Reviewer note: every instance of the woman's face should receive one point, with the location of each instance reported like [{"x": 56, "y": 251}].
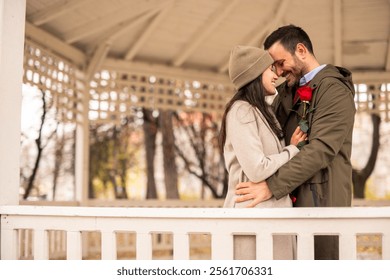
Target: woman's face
[{"x": 268, "y": 80}]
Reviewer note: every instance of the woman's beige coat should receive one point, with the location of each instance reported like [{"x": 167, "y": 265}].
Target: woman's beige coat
[{"x": 252, "y": 153}]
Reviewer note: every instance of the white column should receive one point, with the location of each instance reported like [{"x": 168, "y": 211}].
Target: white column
[
  {"x": 12, "y": 22},
  {"x": 82, "y": 142}
]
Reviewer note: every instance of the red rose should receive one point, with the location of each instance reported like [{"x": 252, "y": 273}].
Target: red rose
[{"x": 305, "y": 93}]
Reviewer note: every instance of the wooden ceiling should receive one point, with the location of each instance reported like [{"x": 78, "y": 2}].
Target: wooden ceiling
[{"x": 197, "y": 35}]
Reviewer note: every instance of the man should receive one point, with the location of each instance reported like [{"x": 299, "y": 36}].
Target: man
[{"x": 321, "y": 174}]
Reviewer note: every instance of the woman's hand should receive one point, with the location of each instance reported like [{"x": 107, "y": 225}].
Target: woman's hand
[{"x": 298, "y": 136}]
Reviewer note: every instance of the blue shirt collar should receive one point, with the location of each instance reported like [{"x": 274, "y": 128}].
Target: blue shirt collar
[{"x": 309, "y": 76}]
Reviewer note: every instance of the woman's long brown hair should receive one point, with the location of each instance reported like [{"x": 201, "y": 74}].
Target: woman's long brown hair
[{"x": 254, "y": 94}]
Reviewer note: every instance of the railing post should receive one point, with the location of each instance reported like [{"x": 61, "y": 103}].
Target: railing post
[
  {"x": 264, "y": 246},
  {"x": 347, "y": 246},
  {"x": 73, "y": 245},
  {"x": 9, "y": 244},
  {"x": 305, "y": 246},
  {"x": 41, "y": 245},
  {"x": 144, "y": 246},
  {"x": 221, "y": 246},
  {"x": 109, "y": 245},
  {"x": 181, "y": 246}
]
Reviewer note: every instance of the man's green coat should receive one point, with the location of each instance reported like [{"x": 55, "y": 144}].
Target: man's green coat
[{"x": 320, "y": 175}]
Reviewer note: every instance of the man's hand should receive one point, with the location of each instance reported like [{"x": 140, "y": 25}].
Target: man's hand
[{"x": 259, "y": 192}]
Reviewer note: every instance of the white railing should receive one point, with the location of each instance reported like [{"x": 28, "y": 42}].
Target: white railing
[
  {"x": 220, "y": 223},
  {"x": 169, "y": 203}
]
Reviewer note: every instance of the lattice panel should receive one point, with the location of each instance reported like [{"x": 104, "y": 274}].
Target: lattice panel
[
  {"x": 51, "y": 73},
  {"x": 113, "y": 94},
  {"x": 374, "y": 98}
]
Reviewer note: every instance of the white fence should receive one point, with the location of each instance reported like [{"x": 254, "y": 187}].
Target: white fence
[{"x": 180, "y": 223}]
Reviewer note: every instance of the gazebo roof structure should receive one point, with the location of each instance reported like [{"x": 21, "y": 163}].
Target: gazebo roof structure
[{"x": 196, "y": 36}]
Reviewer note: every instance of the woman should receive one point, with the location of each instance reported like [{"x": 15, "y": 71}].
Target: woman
[{"x": 252, "y": 139}]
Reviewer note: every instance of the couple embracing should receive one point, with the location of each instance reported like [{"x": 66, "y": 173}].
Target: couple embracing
[{"x": 295, "y": 152}]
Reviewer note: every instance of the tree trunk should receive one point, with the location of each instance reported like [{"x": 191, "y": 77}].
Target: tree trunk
[
  {"x": 150, "y": 133},
  {"x": 359, "y": 177},
  {"x": 57, "y": 161},
  {"x": 168, "y": 145}
]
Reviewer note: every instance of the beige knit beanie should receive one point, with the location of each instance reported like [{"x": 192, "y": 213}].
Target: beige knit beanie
[{"x": 246, "y": 64}]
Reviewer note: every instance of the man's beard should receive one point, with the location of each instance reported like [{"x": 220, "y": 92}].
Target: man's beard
[
  {"x": 296, "y": 73},
  {"x": 292, "y": 79}
]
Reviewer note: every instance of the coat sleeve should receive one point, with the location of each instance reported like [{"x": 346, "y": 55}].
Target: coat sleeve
[
  {"x": 333, "y": 119},
  {"x": 242, "y": 131}
]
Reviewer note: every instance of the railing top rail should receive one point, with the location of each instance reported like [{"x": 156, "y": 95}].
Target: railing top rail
[{"x": 206, "y": 213}]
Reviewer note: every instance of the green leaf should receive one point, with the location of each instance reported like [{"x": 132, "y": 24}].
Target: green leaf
[{"x": 303, "y": 124}]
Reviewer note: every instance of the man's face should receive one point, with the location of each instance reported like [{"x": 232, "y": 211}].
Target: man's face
[{"x": 286, "y": 65}]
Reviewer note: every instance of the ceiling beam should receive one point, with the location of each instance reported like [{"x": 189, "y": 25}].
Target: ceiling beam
[
  {"x": 54, "y": 44},
  {"x": 148, "y": 31},
  {"x": 257, "y": 36},
  {"x": 103, "y": 48},
  {"x": 120, "y": 28},
  {"x": 207, "y": 28},
  {"x": 337, "y": 32},
  {"x": 54, "y": 11},
  {"x": 271, "y": 26},
  {"x": 98, "y": 57},
  {"x": 117, "y": 17}
]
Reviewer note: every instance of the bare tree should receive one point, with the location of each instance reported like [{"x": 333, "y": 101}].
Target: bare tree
[
  {"x": 58, "y": 158},
  {"x": 201, "y": 156},
  {"x": 359, "y": 177},
  {"x": 40, "y": 146}
]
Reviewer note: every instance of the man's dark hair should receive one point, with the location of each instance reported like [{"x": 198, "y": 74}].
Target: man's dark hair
[{"x": 289, "y": 36}]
